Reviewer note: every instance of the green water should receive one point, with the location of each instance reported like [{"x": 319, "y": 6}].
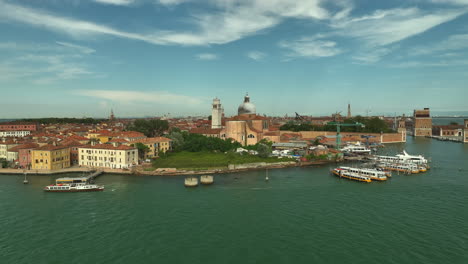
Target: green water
[{"x": 302, "y": 215}]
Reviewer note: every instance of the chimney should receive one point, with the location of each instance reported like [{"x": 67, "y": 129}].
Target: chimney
[{"x": 93, "y": 142}]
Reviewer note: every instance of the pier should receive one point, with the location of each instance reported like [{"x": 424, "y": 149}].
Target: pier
[{"x": 91, "y": 177}]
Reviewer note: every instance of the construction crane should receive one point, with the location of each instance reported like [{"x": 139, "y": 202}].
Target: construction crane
[
  {"x": 299, "y": 117},
  {"x": 338, "y": 130}
]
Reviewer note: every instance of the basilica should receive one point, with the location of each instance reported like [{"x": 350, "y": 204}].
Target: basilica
[{"x": 246, "y": 127}]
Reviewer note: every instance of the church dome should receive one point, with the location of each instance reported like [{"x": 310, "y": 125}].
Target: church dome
[{"x": 247, "y": 107}]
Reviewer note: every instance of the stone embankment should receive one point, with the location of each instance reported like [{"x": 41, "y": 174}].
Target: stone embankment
[{"x": 171, "y": 171}]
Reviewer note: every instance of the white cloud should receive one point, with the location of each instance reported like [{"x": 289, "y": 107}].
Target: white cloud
[
  {"x": 159, "y": 97},
  {"x": 231, "y": 21},
  {"x": 43, "y": 69},
  {"x": 384, "y": 27},
  {"x": 256, "y": 55},
  {"x": 171, "y": 2},
  {"x": 454, "y": 2},
  {"x": 81, "y": 49},
  {"x": 311, "y": 47},
  {"x": 206, "y": 56},
  {"x": 115, "y": 2},
  {"x": 371, "y": 56},
  {"x": 452, "y": 43},
  {"x": 441, "y": 63}
]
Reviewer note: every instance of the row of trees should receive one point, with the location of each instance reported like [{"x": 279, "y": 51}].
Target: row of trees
[
  {"x": 184, "y": 141},
  {"x": 151, "y": 128},
  {"x": 371, "y": 125},
  {"x": 65, "y": 120}
]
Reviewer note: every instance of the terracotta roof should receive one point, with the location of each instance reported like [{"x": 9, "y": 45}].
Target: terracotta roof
[
  {"x": 24, "y": 146},
  {"x": 108, "y": 146},
  {"x": 154, "y": 140},
  {"x": 77, "y": 137},
  {"x": 247, "y": 117},
  {"x": 71, "y": 143},
  {"x": 130, "y": 134},
  {"x": 51, "y": 147},
  {"x": 118, "y": 140}
]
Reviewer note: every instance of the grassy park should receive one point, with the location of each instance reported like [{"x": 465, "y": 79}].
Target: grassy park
[{"x": 206, "y": 160}]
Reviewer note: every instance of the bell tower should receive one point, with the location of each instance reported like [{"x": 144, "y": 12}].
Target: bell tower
[{"x": 216, "y": 114}]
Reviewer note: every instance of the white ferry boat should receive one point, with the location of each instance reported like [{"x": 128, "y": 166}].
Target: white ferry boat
[
  {"x": 371, "y": 173},
  {"x": 73, "y": 185},
  {"x": 403, "y": 158},
  {"x": 406, "y": 168},
  {"x": 356, "y": 149},
  {"x": 350, "y": 175}
]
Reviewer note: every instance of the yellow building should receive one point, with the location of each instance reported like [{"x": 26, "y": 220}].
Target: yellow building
[
  {"x": 50, "y": 157},
  {"x": 156, "y": 145}
]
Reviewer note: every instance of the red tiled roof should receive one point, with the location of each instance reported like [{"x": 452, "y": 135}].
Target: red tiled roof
[
  {"x": 77, "y": 137},
  {"x": 130, "y": 134},
  {"x": 71, "y": 143},
  {"x": 118, "y": 140},
  {"x": 154, "y": 140},
  {"x": 51, "y": 147},
  {"x": 247, "y": 117},
  {"x": 24, "y": 146}
]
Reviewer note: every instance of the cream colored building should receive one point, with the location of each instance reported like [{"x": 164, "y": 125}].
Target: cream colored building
[
  {"x": 156, "y": 145},
  {"x": 108, "y": 156}
]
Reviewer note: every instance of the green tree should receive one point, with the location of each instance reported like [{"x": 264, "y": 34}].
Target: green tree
[
  {"x": 151, "y": 128},
  {"x": 142, "y": 149},
  {"x": 263, "y": 150},
  {"x": 177, "y": 140},
  {"x": 3, "y": 163}
]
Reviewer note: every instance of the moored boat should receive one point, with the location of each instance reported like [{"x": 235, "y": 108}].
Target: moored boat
[
  {"x": 405, "y": 168},
  {"x": 371, "y": 173},
  {"x": 350, "y": 175}
]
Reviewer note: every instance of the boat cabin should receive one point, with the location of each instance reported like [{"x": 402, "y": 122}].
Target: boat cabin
[{"x": 67, "y": 180}]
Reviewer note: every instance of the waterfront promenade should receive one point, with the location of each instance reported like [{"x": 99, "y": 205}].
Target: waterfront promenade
[{"x": 167, "y": 171}]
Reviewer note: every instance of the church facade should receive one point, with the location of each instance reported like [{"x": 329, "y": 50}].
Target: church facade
[{"x": 246, "y": 127}]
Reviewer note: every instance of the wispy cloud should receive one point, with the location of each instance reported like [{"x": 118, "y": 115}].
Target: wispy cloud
[
  {"x": 160, "y": 97},
  {"x": 312, "y": 47},
  {"x": 206, "y": 56},
  {"x": 371, "y": 56},
  {"x": 256, "y": 55},
  {"x": 232, "y": 20},
  {"x": 43, "y": 69},
  {"x": 384, "y": 27},
  {"x": 421, "y": 64},
  {"x": 115, "y": 2},
  {"x": 452, "y": 43},
  {"x": 81, "y": 49}
]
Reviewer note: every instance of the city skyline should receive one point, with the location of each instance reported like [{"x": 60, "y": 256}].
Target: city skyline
[{"x": 150, "y": 58}]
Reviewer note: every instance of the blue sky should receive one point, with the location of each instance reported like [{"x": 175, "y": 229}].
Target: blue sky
[{"x": 153, "y": 57}]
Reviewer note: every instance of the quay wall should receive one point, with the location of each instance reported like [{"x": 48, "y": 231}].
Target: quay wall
[{"x": 378, "y": 137}]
